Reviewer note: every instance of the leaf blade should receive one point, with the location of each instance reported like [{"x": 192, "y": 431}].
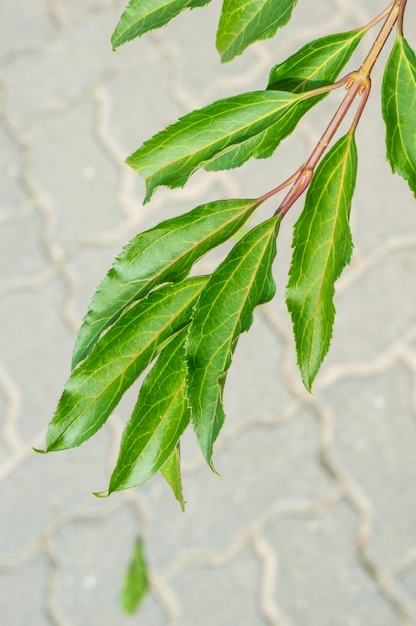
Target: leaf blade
[
  {"x": 225, "y": 310},
  {"x": 244, "y": 23},
  {"x": 398, "y": 106},
  {"x": 315, "y": 64},
  {"x": 142, "y": 16},
  {"x": 95, "y": 387},
  {"x": 159, "y": 418},
  {"x": 322, "y": 246},
  {"x": 171, "y": 156},
  {"x": 162, "y": 254}
]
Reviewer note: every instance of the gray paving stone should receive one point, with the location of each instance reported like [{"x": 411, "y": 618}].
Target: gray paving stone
[
  {"x": 41, "y": 491},
  {"x": 23, "y": 594},
  {"x": 28, "y": 24},
  {"x": 80, "y": 179},
  {"x": 4, "y": 450},
  {"x": 11, "y": 192},
  {"x": 384, "y": 296},
  {"x": 20, "y": 240},
  {"x": 63, "y": 71},
  {"x": 220, "y": 595},
  {"x": 77, "y": 10},
  {"x": 320, "y": 580},
  {"x": 249, "y": 395},
  {"x": 407, "y": 581},
  {"x": 375, "y": 439},
  {"x": 38, "y": 368},
  {"x": 133, "y": 117}
]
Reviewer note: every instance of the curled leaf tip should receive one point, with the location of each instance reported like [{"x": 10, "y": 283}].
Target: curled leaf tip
[
  {"x": 100, "y": 494},
  {"x": 38, "y": 451}
]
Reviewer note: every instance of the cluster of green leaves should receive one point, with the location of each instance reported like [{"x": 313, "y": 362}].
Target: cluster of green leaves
[{"x": 150, "y": 311}]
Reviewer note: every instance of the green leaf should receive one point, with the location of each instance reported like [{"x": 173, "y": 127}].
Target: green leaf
[
  {"x": 158, "y": 420},
  {"x": 316, "y": 64},
  {"x": 322, "y": 247},
  {"x": 141, "y": 16},
  {"x": 399, "y": 110},
  {"x": 225, "y": 310},
  {"x": 162, "y": 254},
  {"x": 242, "y": 23},
  {"x": 171, "y": 156},
  {"x": 117, "y": 359},
  {"x": 171, "y": 472},
  {"x": 261, "y": 145},
  {"x": 136, "y": 582}
]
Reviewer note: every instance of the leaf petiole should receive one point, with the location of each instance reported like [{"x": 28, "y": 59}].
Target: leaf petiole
[{"x": 280, "y": 187}]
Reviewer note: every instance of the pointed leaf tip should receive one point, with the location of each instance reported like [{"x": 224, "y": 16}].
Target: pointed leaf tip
[
  {"x": 223, "y": 311},
  {"x": 243, "y": 23},
  {"x": 322, "y": 247}
]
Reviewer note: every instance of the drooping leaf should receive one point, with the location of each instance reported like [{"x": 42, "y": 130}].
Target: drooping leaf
[
  {"x": 171, "y": 471},
  {"x": 225, "y": 310},
  {"x": 171, "y": 156},
  {"x": 322, "y": 247},
  {"x": 243, "y": 23},
  {"x": 141, "y": 16},
  {"x": 136, "y": 582},
  {"x": 158, "y": 420},
  {"x": 316, "y": 64},
  {"x": 399, "y": 110},
  {"x": 117, "y": 359},
  {"x": 162, "y": 254}
]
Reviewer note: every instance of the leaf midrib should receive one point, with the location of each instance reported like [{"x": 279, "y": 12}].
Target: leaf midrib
[{"x": 321, "y": 277}]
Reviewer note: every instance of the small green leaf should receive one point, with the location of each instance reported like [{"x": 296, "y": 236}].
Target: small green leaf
[
  {"x": 171, "y": 471},
  {"x": 163, "y": 254},
  {"x": 95, "y": 387},
  {"x": 243, "y": 23},
  {"x": 322, "y": 247},
  {"x": 158, "y": 420},
  {"x": 399, "y": 110},
  {"x": 171, "y": 156},
  {"x": 136, "y": 582},
  {"x": 225, "y": 310},
  {"x": 141, "y": 16}
]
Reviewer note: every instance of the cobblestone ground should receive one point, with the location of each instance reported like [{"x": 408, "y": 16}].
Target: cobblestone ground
[{"x": 313, "y": 522}]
